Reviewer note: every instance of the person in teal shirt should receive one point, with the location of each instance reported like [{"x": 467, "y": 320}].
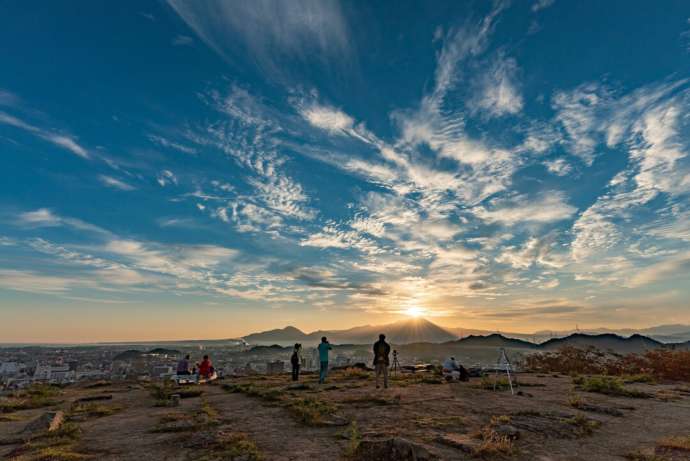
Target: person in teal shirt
[{"x": 324, "y": 347}]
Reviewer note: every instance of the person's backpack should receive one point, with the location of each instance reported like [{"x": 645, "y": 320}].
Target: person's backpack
[{"x": 294, "y": 359}]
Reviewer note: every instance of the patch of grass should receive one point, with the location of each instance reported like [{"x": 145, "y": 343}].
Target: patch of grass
[
  {"x": 639, "y": 378},
  {"x": 441, "y": 422},
  {"x": 575, "y": 401},
  {"x": 222, "y": 446},
  {"x": 681, "y": 443},
  {"x": 431, "y": 380},
  {"x": 188, "y": 393},
  {"x": 371, "y": 400},
  {"x": 207, "y": 414},
  {"x": 355, "y": 373},
  {"x": 34, "y": 396},
  {"x": 58, "y": 454},
  {"x": 354, "y": 438},
  {"x": 11, "y": 417},
  {"x": 532, "y": 413},
  {"x": 160, "y": 391},
  {"x": 58, "y": 445},
  {"x": 609, "y": 385},
  {"x": 639, "y": 455},
  {"x": 97, "y": 384},
  {"x": 489, "y": 384},
  {"x": 270, "y": 394},
  {"x": 666, "y": 395},
  {"x": 310, "y": 411},
  {"x": 498, "y": 420},
  {"x": 205, "y": 417},
  {"x": 582, "y": 425},
  {"x": 94, "y": 410}
]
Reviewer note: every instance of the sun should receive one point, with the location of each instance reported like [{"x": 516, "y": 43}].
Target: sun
[{"x": 414, "y": 311}]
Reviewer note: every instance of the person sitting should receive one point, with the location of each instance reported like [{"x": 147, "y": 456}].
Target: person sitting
[
  {"x": 453, "y": 371},
  {"x": 205, "y": 368},
  {"x": 183, "y": 366}
]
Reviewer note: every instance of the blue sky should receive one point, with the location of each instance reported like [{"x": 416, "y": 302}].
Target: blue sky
[{"x": 204, "y": 169}]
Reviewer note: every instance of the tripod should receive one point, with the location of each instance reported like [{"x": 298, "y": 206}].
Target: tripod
[
  {"x": 504, "y": 360},
  {"x": 396, "y": 364}
]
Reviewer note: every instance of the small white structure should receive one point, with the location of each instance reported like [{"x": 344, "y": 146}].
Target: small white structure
[{"x": 54, "y": 374}]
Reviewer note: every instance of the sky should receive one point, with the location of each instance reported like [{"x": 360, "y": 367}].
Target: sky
[{"x": 182, "y": 169}]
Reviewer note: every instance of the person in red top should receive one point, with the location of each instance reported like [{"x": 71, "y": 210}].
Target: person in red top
[{"x": 205, "y": 367}]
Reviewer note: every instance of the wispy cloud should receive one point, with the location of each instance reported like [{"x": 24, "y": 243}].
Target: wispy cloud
[
  {"x": 61, "y": 140},
  {"x": 550, "y": 207},
  {"x": 497, "y": 90},
  {"x": 665, "y": 271},
  {"x": 268, "y": 30},
  {"x": 115, "y": 183},
  {"x": 558, "y": 166},
  {"x": 541, "y": 4},
  {"x": 182, "y": 40}
]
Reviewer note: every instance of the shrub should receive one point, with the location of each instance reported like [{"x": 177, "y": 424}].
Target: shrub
[
  {"x": 609, "y": 385},
  {"x": 657, "y": 364}
]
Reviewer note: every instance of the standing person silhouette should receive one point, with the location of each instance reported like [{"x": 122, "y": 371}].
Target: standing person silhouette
[
  {"x": 296, "y": 361},
  {"x": 324, "y": 347},
  {"x": 381, "y": 360}
]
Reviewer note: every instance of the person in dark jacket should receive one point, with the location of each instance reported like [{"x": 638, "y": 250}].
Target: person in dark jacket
[
  {"x": 296, "y": 361},
  {"x": 381, "y": 360}
]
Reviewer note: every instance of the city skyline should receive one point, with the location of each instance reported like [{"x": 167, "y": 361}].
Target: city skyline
[{"x": 186, "y": 170}]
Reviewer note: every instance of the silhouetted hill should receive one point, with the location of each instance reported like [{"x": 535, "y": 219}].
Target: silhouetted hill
[
  {"x": 164, "y": 351},
  {"x": 495, "y": 340},
  {"x": 288, "y": 334},
  {"x": 402, "y": 332},
  {"x": 130, "y": 354},
  {"x": 607, "y": 341}
]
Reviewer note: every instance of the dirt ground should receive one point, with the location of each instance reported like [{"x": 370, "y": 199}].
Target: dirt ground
[{"x": 423, "y": 411}]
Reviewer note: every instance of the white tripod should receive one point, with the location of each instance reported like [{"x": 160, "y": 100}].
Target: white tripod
[{"x": 503, "y": 360}]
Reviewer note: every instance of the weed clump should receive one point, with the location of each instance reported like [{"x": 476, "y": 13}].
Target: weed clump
[{"x": 493, "y": 444}]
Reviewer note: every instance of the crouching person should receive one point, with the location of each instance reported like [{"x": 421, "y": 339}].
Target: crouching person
[{"x": 453, "y": 371}]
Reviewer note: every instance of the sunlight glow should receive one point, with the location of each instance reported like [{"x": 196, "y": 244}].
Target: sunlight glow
[{"x": 415, "y": 311}]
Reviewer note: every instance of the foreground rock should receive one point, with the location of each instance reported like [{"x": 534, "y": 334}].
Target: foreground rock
[
  {"x": 47, "y": 422},
  {"x": 395, "y": 449}
]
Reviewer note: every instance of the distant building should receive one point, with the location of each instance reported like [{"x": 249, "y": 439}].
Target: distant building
[
  {"x": 162, "y": 371},
  {"x": 275, "y": 368},
  {"x": 58, "y": 374},
  {"x": 11, "y": 368}
]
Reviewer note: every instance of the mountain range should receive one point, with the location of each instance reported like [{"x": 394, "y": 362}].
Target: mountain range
[
  {"x": 423, "y": 331},
  {"x": 402, "y": 332}
]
